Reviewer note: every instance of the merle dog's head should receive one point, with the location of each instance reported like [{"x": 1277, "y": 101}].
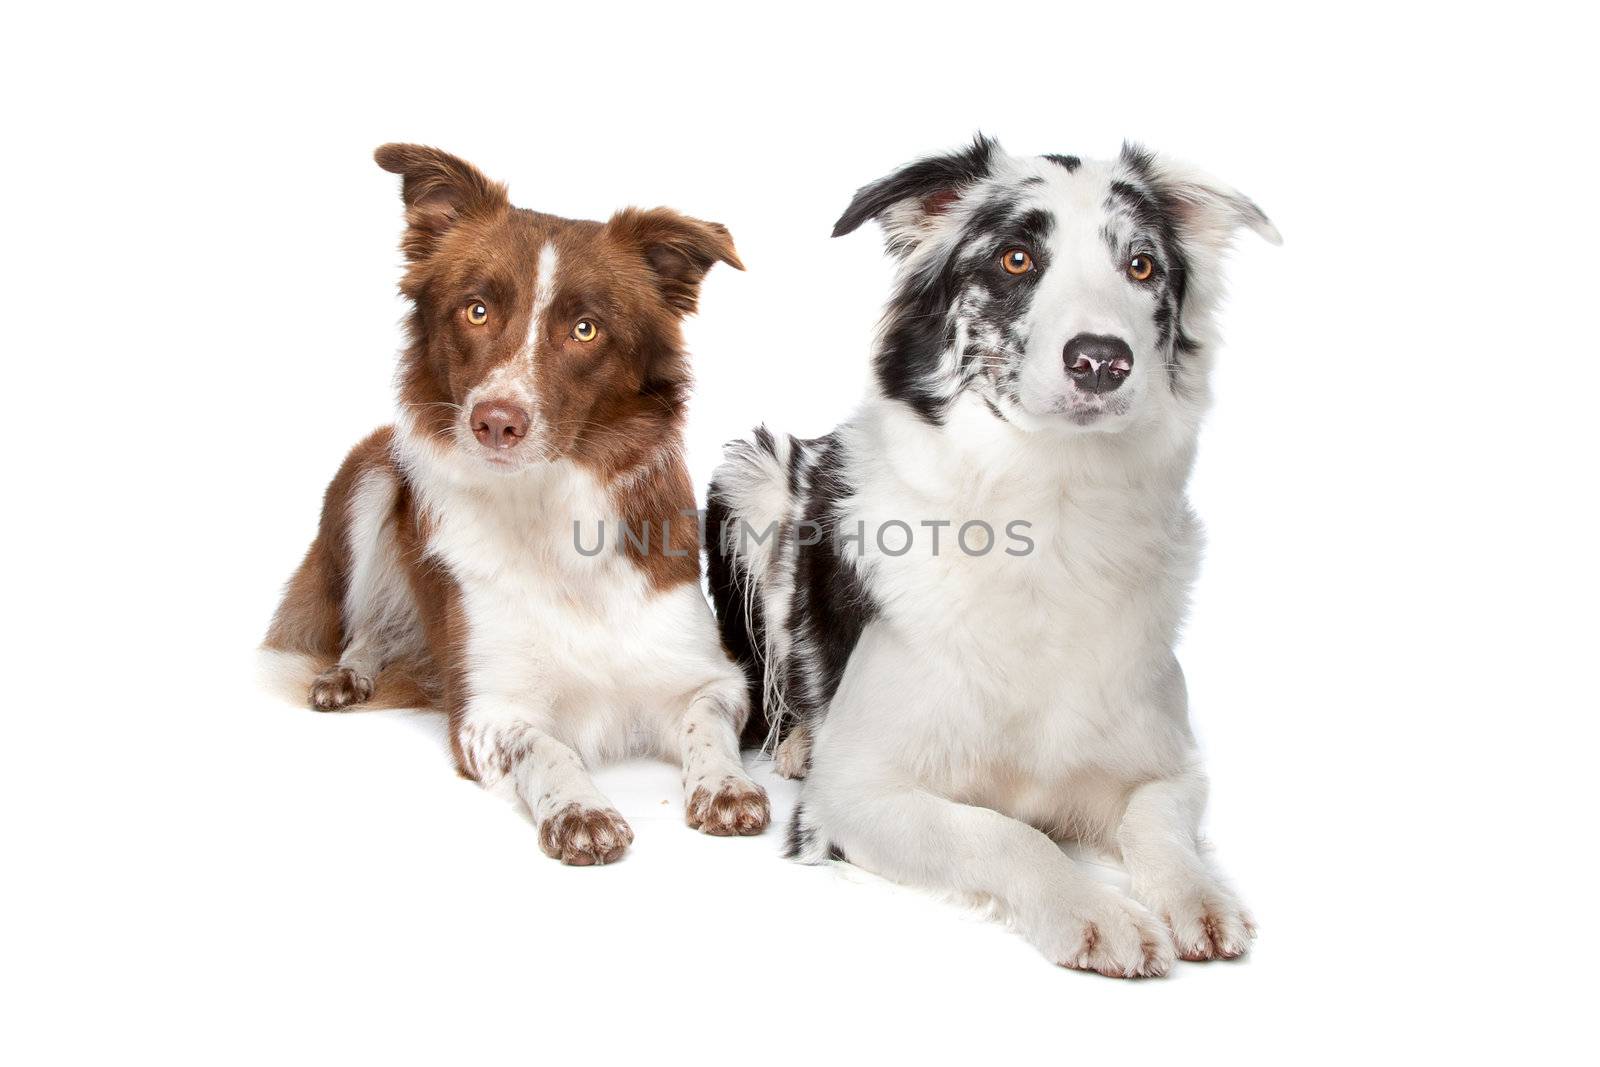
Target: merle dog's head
[{"x": 1064, "y": 293}]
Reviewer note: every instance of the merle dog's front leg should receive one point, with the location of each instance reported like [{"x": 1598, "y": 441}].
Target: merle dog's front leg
[
  {"x": 1160, "y": 841},
  {"x": 889, "y": 817},
  {"x": 913, "y": 836}
]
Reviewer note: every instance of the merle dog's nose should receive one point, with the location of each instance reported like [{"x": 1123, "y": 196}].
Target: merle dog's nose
[
  {"x": 1097, "y": 363},
  {"x": 499, "y": 424}
]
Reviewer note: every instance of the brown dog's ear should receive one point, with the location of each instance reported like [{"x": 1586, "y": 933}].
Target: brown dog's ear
[
  {"x": 679, "y": 249},
  {"x": 439, "y": 190}
]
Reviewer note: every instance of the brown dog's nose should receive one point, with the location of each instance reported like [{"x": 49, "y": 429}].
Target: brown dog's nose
[{"x": 498, "y": 424}]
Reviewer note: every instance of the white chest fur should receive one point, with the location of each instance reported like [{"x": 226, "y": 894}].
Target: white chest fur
[
  {"x": 575, "y": 637},
  {"x": 1049, "y": 656}
]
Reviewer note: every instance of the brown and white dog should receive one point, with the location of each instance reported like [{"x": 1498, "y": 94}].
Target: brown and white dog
[{"x": 542, "y": 392}]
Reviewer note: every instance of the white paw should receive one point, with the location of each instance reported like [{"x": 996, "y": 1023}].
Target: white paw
[
  {"x": 1206, "y": 919},
  {"x": 1103, "y": 931},
  {"x": 793, "y": 757}
]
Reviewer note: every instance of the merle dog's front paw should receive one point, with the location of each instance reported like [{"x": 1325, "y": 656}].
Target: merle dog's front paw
[
  {"x": 793, "y": 758},
  {"x": 1103, "y": 931},
  {"x": 1206, "y": 919},
  {"x": 340, "y": 687},
  {"x": 736, "y": 807},
  {"x": 585, "y": 836}
]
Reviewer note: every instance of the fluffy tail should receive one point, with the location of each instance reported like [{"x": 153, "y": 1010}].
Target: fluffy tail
[{"x": 750, "y": 548}]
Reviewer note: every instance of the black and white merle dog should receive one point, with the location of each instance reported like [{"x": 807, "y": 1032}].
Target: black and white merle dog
[{"x": 958, "y": 609}]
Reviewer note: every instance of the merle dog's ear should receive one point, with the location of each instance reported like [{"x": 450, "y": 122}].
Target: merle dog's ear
[
  {"x": 909, "y": 200},
  {"x": 439, "y": 191},
  {"x": 679, "y": 250},
  {"x": 1205, "y": 210}
]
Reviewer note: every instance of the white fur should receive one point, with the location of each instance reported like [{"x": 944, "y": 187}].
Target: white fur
[
  {"x": 378, "y": 607},
  {"x": 1040, "y": 686},
  {"x": 570, "y": 659},
  {"x": 996, "y": 701},
  {"x": 756, "y": 483},
  {"x": 544, "y": 288},
  {"x": 514, "y": 381}
]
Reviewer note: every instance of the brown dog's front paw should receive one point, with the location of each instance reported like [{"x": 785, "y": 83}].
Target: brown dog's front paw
[
  {"x": 338, "y": 688},
  {"x": 583, "y": 836},
  {"x": 736, "y": 807}
]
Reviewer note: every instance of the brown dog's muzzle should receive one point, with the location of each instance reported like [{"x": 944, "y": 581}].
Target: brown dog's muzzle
[{"x": 497, "y": 424}]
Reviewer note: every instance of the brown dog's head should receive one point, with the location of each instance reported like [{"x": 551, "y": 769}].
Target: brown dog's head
[{"x": 533, "y": 337}]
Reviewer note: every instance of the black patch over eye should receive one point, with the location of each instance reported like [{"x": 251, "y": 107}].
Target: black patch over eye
[
  {"x": 1141, "y": 267},
  {"x": 1016, "y": 261}
]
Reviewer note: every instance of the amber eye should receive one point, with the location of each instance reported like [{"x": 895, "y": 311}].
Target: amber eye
[
  {"x": 585, "y": 330},
  {"x": 477, "y": 313},
  {"x": 1140, "y": 267},
  {"x": 1016, "y": 261}
]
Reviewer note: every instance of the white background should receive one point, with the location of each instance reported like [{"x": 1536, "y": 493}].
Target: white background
[{"x": 1391, "y": 650}]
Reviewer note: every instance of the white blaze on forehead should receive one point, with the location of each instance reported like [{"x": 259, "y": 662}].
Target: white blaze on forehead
[
  {"x": 1082, "y": 290},
  {"x": 544, "y": 287},
  {"x": 513, "y": 381}
]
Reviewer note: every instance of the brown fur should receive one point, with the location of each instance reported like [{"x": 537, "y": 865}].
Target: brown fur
[
  {"x": 585, "y": 837},
  {"x": 309, "y": 619},
  {"x": 732, "y": 809},
  {"x": 614, "y": 405}
]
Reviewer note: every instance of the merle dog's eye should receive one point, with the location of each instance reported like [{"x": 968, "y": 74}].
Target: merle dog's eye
[
  {"x": 585, "y": 330},
  {"x": 1140, "y": 267},
  {"x": 1016, "y": 261},
  {"x": 477, "y": 313}
]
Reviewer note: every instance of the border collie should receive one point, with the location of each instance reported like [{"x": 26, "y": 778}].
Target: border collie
[
  {"x": 543, "y": 389},
  {"x": 958, "y": 610}
]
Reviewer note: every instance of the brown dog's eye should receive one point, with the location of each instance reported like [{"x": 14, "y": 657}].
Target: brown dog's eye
[
  {"x": 585, "y": 330},
  {"x": 1140, "y": 267},
  {"x": 477, "y": 313},
  {"x": 1016, "y": 261}
]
